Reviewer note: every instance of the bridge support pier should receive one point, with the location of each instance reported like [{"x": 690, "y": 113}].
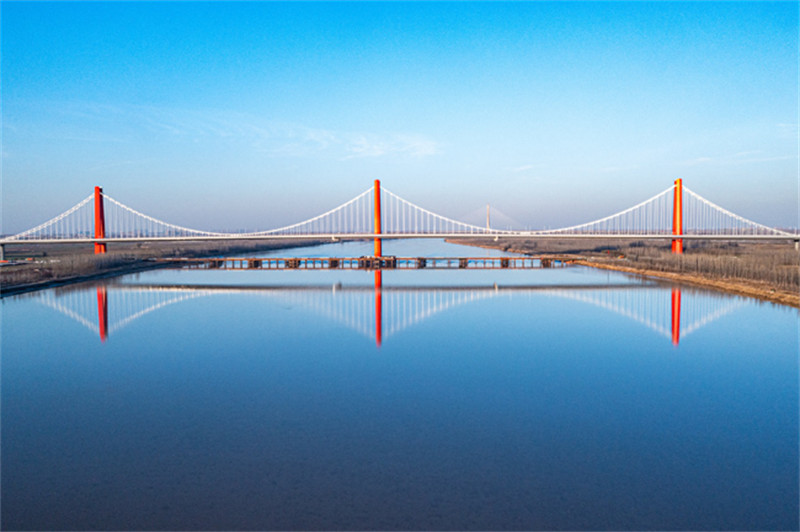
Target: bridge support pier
[{"x": 2, "y": 252}]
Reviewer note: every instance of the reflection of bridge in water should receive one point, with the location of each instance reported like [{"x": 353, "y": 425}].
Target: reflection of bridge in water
[{"x": 381, "y": 311}]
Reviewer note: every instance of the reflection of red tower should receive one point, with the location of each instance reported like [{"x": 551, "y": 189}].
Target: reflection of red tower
[
  {"x": 99, "y": 220},
  {"x": 378, "y": 308},
  {"x": 102, "y": 312},
  {"x": 676, "y": 315}
]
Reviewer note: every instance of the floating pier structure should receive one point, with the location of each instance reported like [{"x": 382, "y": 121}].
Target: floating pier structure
[{"x": 374, "y": 263}]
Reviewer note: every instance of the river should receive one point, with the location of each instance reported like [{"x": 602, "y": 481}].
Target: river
[{"x": 562, "y": 398}]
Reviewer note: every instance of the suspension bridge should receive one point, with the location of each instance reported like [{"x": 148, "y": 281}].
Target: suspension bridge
[
  {"x": 380, "y": 312},
  {"x": 676, "y": 214}
]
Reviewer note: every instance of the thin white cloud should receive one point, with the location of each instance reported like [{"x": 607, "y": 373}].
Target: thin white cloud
[
  {"x": 615, "y": 169},
  {"x": 363, "y": 147},
  {"x": 697, "y": 161},
  {"x": 358, "y": 146},
  {"x": 119, "y": 164},
  {"x": 274, "y": 138},
  {"x": 770, "y": 159},
  {"x": 787, "y": 131},
  {"x": 747, "y": 153},
  {"x": 525, "y": 168},
  {"x": 737, "y": 159}
]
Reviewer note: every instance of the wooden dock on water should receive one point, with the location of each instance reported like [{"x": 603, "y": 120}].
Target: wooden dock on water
[{"x": 374, "y": 263}]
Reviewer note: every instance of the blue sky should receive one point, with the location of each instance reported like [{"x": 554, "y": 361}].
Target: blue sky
[{"x": 257, "y": 114}]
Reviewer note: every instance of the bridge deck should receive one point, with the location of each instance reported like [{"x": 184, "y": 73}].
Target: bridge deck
[{"x": 372, "y": 263}]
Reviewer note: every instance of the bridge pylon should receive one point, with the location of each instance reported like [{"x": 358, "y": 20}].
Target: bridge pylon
[
  {"x": 99, "y": 221},
  {"x": 677, "y": 217},
  {"x": 377, "y": 227}
]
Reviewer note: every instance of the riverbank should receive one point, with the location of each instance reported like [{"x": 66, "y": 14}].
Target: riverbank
[
  {"x": 769, "y": 272},
  {"x": 38, "y": 267},
  {"x": 755, "y": 289},
  {"x": 11, "y": 288}
]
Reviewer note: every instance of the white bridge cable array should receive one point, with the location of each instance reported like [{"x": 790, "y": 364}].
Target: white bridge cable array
[
  {"x": 77, "y": 221},
  {"x": 128, "y": 222},
  {"x": 399, "y": 216},
  {"x": 653, "y": 216},
  {"x": 701, "y": 217}
]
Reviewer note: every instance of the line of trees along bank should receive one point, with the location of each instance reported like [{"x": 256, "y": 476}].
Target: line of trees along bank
[{"x": 777, "y": 264}]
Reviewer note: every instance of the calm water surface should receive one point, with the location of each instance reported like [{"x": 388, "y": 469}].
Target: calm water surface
[{"x": 545, "y": 399}]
